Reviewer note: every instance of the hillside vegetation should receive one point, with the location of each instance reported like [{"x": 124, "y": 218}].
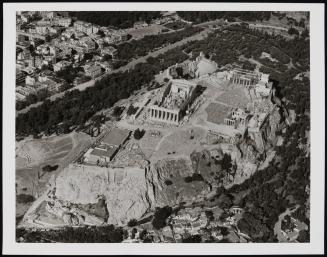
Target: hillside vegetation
[{"x": 119, "y": 19}]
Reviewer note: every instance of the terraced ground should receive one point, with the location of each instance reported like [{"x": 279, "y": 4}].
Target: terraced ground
[
  {"x": 36, "y": 151},
  {"x": 33, "y": 154}
]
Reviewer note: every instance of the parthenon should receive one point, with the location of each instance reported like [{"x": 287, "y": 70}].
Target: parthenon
[{"x": 170, "y": 107}]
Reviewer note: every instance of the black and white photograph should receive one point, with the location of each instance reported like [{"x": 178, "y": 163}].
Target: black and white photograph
[{"x": 142, "y": 123}]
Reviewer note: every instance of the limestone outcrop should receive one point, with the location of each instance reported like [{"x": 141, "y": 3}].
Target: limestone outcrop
[
  {"x": 126, "y": 190},
  {"x": 168, "y": 178}
]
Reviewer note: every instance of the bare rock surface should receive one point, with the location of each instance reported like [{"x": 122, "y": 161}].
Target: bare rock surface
[
  {"x": 125, "y": 190},
  {"x": 170, "y": 185}
]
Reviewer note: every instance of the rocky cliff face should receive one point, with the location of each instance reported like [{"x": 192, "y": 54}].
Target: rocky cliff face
[
  {"x": 168, "y": 179},
  {"x": 248, "y": 153},
  {"x": 126, "y": 190}
]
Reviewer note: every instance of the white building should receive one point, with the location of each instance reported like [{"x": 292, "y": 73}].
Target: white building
[
  {"x": 30, "y": 80},
  {"x": 61, "y": 65},
  {"x": 64, "y": 22},
  {"x": 93, "y": 71},
  {"x": 84, "y": 27},
  {"x": 110, "y": 50}
]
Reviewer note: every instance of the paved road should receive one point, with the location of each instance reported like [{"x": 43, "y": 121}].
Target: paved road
[{"x": 128, "y": 66}]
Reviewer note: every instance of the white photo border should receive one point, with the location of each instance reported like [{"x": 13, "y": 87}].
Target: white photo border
[{"x": 317, "y": 83}]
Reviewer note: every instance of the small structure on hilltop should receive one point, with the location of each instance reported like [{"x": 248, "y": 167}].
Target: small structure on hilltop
[
  {"x": 237, "y": 118},
  {"x": 204, "y": 66}
]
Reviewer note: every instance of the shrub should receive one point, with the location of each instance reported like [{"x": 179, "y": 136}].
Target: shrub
[
  {"x": 304, "y": 236},
  {"x": 118, "y": 110},
  {"x": 192, "y": 239},
  {"x": 131, "y": 110},
  {"x": 209, "y": 215},
  {"x": 168, "y": 182},
  {"x": 147, "y": 240},
  {"x": 226, "y": 162},
  {"x": 292, "y": 31},
  {"x": 132, "y": 223},
  {"x": 23, "y": 198},
  {"x": 224, "y": 231},
  {"x": 143, "y": 234},
  {"x": 138, "y": 134},
  {"x": 134, "y": 230},
  {"x": 49, "y": 168},
  {"x": 194, "y": 177}
]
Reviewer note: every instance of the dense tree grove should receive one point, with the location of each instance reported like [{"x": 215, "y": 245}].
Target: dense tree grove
[
  {"x": 141, "y": 47},
  {"x": 160, "y": 216},
  {"x": 32, "y": 98},
  {"x": 119, "y": 19},
  {"x": 86, "y": 234},
  {"x": 233, "y": 41},
  {"x": 76, "y": 107},
  {"x": 203, "y": 16},
  {"x": 69, "y": 73}
]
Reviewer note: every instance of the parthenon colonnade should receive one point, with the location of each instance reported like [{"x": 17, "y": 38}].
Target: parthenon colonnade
[
  {"x": 239, "y": 81},
  {"x": 163, "y": 115}
]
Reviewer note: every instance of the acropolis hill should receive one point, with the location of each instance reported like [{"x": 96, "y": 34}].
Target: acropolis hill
[{"x": 184, "y": 119}]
